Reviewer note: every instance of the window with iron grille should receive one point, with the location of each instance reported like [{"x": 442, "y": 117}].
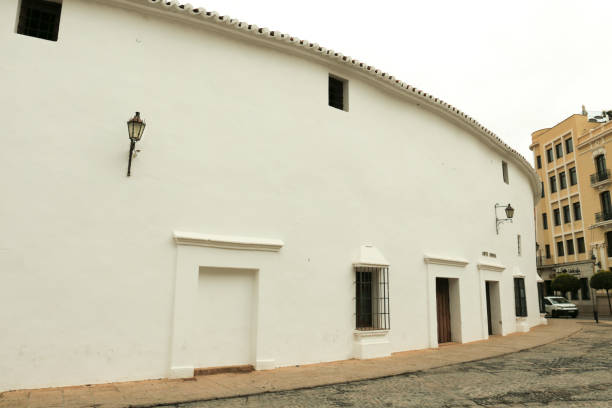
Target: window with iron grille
[
  {"x": 541, "y": 297},
  {"x": 520, "y": 300},
  {"x": 337, "y": 93},
  {"x": 40, "y": 19},
  {"x": 372, "y": 298}
]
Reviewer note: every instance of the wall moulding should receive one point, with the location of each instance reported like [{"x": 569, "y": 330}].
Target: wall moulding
[
  {"x": 228, "y": 242},
  {"x": 438, "y": 260},
  {"x": 486, "y": 266}
]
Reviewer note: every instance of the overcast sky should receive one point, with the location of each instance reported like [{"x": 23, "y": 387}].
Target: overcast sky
[{"x": 515, "y": 66}]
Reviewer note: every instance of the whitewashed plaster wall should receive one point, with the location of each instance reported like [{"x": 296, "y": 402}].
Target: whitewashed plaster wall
[{"x": 240, "y": 141}]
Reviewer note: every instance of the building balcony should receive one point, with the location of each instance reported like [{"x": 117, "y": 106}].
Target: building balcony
[
  {"x": 602, "y": 219},
  {"x": 600, "y": 178}
]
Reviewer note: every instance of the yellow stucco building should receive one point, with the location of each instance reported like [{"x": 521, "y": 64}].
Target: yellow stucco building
[{"x": 574, "y": 216}]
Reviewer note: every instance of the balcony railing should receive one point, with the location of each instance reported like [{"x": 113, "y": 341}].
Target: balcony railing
[
  {"x": 603, "y": 216},
  {"x": 600, "y": 176}
]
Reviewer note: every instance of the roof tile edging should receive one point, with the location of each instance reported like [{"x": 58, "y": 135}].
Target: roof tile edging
[{"x": 252, "y": 29}]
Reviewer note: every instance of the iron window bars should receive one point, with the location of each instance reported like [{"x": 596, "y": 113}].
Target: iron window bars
[
  {"x": 372, "y": 298},
  {"x": 520, "y": 300},
  {"x": 40, "y": 19}
]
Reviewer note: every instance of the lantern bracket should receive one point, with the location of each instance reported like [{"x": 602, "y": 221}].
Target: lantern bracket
[{"x": 509, "y": 214}]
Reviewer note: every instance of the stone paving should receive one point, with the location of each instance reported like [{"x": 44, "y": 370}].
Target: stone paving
[
  {"x": 573, "y": 372},
  {"x": 172, "y": 393}
]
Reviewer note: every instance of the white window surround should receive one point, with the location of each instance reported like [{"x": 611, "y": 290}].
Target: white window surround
[
  {"x": 195, "y": 250},
  {"x": 490, "y": 266},
  {"x": 228, "y": 242},
  {"x": 371, "y": 343},
  {"x": 442, "y": 260}
]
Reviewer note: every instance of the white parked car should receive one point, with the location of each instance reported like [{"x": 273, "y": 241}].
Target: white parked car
[{"x": 559, "y": 306}]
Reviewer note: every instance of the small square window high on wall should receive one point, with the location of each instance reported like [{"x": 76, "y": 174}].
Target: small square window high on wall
[
  {"x": 337, "y": 93},
  {"x": 40, "y": 18},
  {"x": 505, "y": 172}
]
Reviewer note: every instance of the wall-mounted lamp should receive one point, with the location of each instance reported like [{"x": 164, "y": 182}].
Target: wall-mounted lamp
[
  {"x": 136, "y": 127},
  {"x": 509, "y": 214}
]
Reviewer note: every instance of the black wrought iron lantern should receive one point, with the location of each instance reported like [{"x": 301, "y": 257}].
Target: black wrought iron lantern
[
  {"x": 509, "y": 211},
  {"x": 136, "y": 127}
]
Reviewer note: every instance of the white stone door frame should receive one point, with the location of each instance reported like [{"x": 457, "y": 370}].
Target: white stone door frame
[
  {"x": 201, "y": 250},
  {"x": 492, "y": 272},
  {"x": 449, "y": 268}
]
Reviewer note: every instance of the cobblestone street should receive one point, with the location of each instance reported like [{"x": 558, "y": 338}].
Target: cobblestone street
[{"x": 574, "y": 372}]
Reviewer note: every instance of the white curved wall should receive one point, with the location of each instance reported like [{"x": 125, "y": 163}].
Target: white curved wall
[{"x": 240, "y": 141}]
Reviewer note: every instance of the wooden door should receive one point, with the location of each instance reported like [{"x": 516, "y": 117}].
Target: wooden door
[
  {"x": 443, "y": 306},
  {"x": 488, "y": 287}
]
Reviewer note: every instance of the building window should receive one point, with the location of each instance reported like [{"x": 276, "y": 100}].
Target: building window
[
  {"x": 539, "y": 161},
  {"x": 505, "y": 172},
  {"x": 606, "y": 205},
  {"x": 541, "y": 297},
  {"x": 553, "y": 184},
  {"x": 520, "y": 300},
  {"x": 600, "y": 166},
  {"x": 337, "y": 93},
  {"x": 569, "y": 145},
  {"x": 548, "y": 288},
  {"x": 562, "y": 180},
  {"x": 549, "y": 156},
  {"x": 574, "y": 294},
  {"x": 560, "y": 248},
  {"x": 577, "y": 211},
  {"x": 559, "y": 150},
  {"x": 566, "y": 214},
  {"x": 570, "y": 246},
  {"x": 547, "y": 247},
  {"x": 542, "y": 185},
  {"x": 573, "y": 176},
  {"x": 580, "y": 244},
  {"x": 609, "y": 243},
  {"x": 544, "y": 221},
  {"x": 372, "y": 298},
  {"x": 556, "y": 217},
  {"x": 584, "y": 289},
  {"x": 518, "y": 243},
  {"x": 40, "y": 19}
]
